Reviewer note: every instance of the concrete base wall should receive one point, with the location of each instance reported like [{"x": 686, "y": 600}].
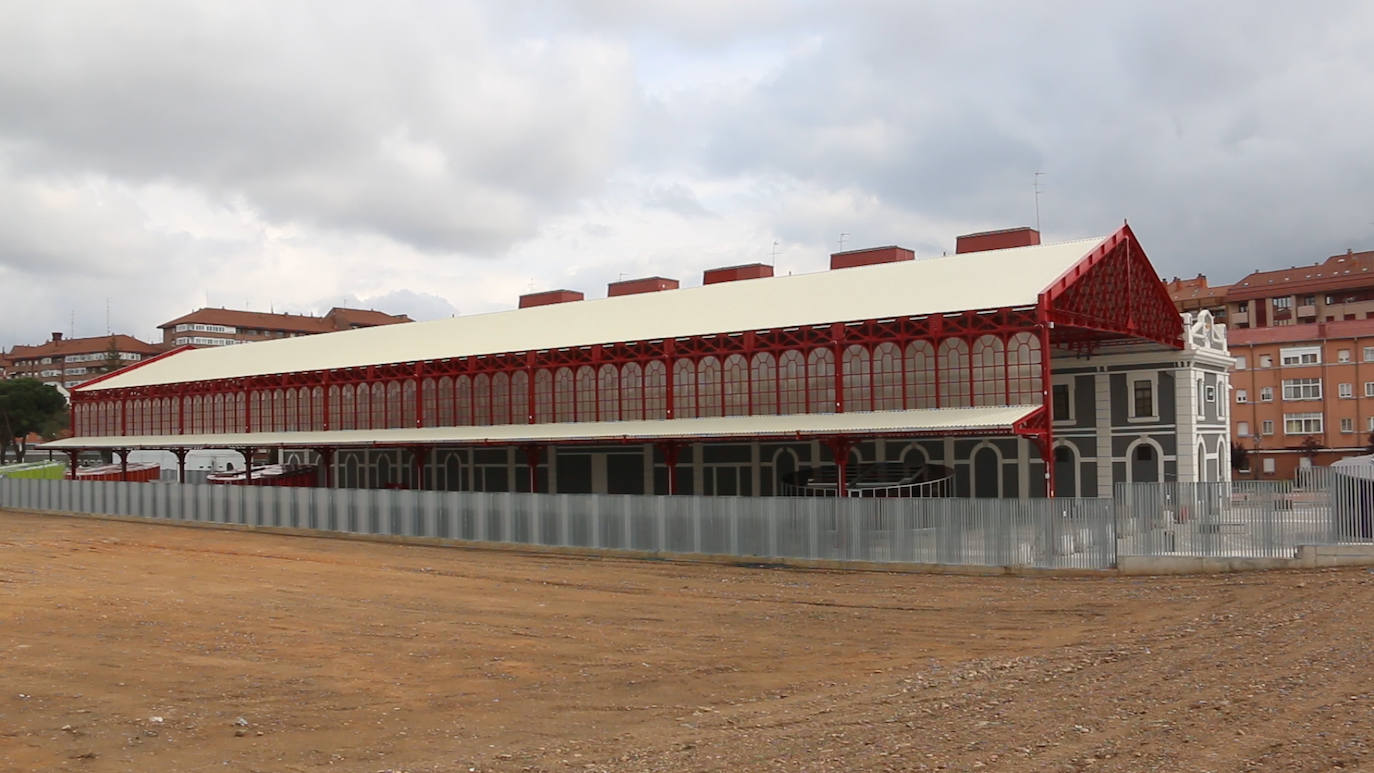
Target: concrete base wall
[{"x": 1308, "y": 557}]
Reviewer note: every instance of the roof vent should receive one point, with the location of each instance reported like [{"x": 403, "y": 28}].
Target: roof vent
[
  {"x": 1006, "y": 238},
  {"x": 650, "y": 284},
  {"x": 869, "y": 257},
  {"x": 549, "y": 297},
  {"x": 735, "y": 273}
]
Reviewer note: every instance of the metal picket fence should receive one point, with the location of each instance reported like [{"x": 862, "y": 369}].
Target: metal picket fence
[
  {"x": 1054, "y": 533},
  {"x": 1241, "y": 519}
]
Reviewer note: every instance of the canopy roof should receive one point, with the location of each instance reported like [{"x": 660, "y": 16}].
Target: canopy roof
[
  {"x": 943, "y": 421},
  {"x": 1009, "y": 278}
]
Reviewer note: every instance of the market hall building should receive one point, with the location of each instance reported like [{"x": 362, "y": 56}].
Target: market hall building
[{"x": 1010, "y": 369}]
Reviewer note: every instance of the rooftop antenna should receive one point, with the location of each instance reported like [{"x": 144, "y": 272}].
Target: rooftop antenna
[
  {"x": 71, "y": 327},
  {"x": 773, "y": 258},
  {"x": 1036, "y": 185},
  {"x": 843, "y": 236},
  {"x": 107, "y": 315}
]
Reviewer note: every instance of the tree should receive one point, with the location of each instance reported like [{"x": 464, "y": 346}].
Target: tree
[
  {"x": 1310, "y": 447},
  {"x": 28, "y": 405},
  {"x": 1240, "y": 457}
]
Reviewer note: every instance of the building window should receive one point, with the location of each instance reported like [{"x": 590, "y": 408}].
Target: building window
[
  {"x": 1369, "y": 354},
  {"x": 1242, "y": 396},
  {"x": 1347, "y": 425},
  {"x": 1308, "y": 300},
  {"x": 1343, "y": 355},
  {"x": 1243, "y": 306},
  {"x": 1302, "y": 423},
  {"x": 1266, "y": 361},
  {"x": 1143, "y": 399},
  {"x": 1242, "y": 429},
  {"x": 1346, "y": 390},
  {"x": 1369, "y": 389},
  {"x": 1266, "y": 394},
  {"x": 1267, "y": 427},
  {"x": 1063, "y": 403},
  {"x": 1285, "y": 302},
  {"x": 1370, "y": 423},
  {"x": 1302, "y": 389},
  {"x": 1201, "y": 400},
  {"x": 1300, "y": 355},
  {"x": 1269, "y": 465},
  {"x": 1241, "y": 363}
]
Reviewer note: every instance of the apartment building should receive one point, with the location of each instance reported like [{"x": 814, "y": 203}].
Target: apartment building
[
  {"x": 66, "y": 362},
  {"x": 1303, "y": 394},
  {"x": 1303, "y": 342},
  {"x": 223, "y": 327}
]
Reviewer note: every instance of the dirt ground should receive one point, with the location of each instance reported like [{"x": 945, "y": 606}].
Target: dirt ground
[{"x": 146, "y": 647}]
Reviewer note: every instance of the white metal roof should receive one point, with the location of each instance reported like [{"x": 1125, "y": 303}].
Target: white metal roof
[
  {"x": 778, "y": 427},
  {"x": 980, "y": 280}
]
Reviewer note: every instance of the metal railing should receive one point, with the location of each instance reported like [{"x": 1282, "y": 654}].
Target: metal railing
[
  {"x": 1229, "y": 519},
  {"x": 1055, "y": 533}
]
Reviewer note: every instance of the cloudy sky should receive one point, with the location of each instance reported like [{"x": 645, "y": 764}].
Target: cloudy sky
[{"x": 437, "y": 158}]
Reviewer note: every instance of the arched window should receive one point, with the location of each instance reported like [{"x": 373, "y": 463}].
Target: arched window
[
  {"x": 858, "y": 381},
  {"x": 520, "y": 397},
  {"x": 563, "y": 396},
  {"x": 684, "y": 389},
  {"x": 1023, "y": 370},
  {"x": 736, "y": 383},
  {"x": 586, "y": 393},
  {"x": 313, "y": 407},
  {"x": 291, "y": 411},
  {"x": 820, "y": 377},
  {"x": 395, "y": 408},
  {"x": 791, "y": 382},
  {"x": 379, "y": 405},
  {"x": 631, "y": 391},
  {"x": 444, "y": 397},
  {"x": 408, "y": 417},
  {"x": 954, "y": 373},
  {"x": 481, "y": 400},
  {"x": 543, "y": 397},
  {"x": 887, "y": 377},
  {"x": 655, "y": 390},
  {"x": 609, "y": 386},
  {"x": 429, "y": 402},
  {"x": 764, "y": 380},
  {"x": 462, "y": 401},
  {"x": 500, "y": 399},
  {"x": 708, "y": 387},
  {"x": 920, "y": 375},
  {"x": 989, "y": 371}
]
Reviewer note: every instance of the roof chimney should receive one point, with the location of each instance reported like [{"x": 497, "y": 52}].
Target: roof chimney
[
  {"x": 56, "y": 335},
  {"x": 735, "y": 273},
  {"x": 635, "y": 286},
  {"x": 869, "y": 257},
  {"x": 1006, "y": 238},
  {"x": 549, "y": 297}
]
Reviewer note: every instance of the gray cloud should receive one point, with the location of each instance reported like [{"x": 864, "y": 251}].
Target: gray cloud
[{"x": 440, "y": 155}]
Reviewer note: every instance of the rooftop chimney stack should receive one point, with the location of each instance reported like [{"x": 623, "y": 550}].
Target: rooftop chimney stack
[
  {"x": 56, "y": 336},
  {"x": 650, "y": 284},
  {"x": 549, "y": 297},
  {"x": 1006, "y": 238},
  {"x": 735, "y": 273},
  {"x": 871, "y": 256}
]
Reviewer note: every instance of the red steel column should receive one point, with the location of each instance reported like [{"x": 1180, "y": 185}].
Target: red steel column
[
  {"x": 532, "y": 464},
  {"x": 1046, "y": 392}
]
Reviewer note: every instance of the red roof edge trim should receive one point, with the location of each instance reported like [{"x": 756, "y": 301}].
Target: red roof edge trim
[
  {"x": 128, "y": 368},
  {"x": 1115, "y": 289},
  {"x": 1031, "y": 425}
]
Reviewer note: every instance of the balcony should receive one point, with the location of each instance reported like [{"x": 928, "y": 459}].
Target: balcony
[
  {"x": 1241, "y": 317},
  {"x": 1307, "y": 311}
]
